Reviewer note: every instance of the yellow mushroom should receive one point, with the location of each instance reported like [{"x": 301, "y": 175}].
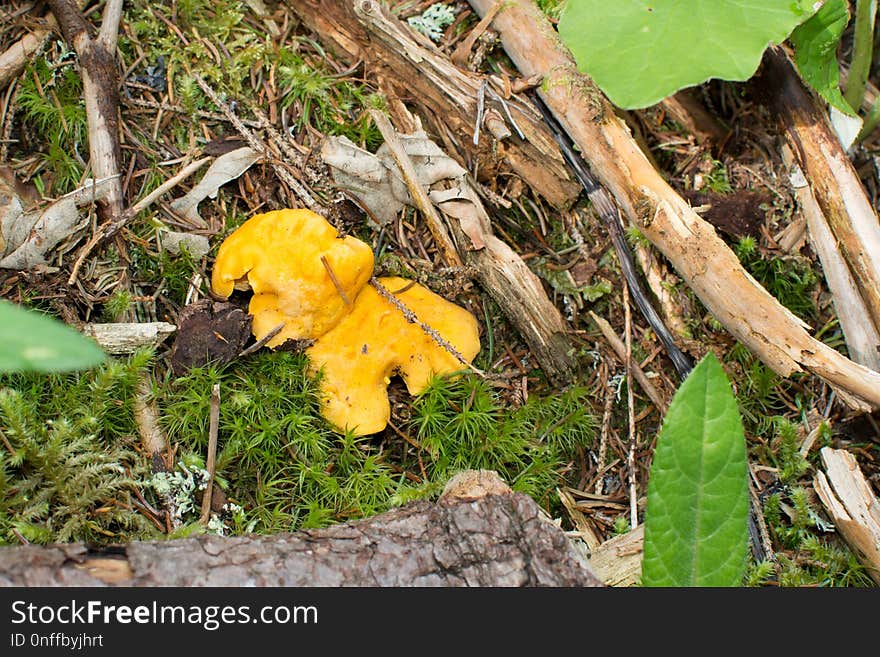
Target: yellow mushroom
[
  {"x": 302, "y": 272},
  {"x": 375, "y": 341}
]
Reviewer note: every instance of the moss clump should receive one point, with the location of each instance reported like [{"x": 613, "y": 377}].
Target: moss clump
[
  {"x": 281, "y": 463},
  {"x": 69, "y": 470}
]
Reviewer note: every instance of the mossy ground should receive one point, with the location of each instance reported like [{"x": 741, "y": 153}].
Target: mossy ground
[{"x": 71, "y": 464}]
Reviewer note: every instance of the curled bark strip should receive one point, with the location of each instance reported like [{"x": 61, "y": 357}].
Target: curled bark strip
[{"x": 693, "y": 247}]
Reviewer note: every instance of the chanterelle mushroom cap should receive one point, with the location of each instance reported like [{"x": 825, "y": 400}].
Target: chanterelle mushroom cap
[
  {"x": 290, "y": 259},
  {"x": 375, "y": 341}
]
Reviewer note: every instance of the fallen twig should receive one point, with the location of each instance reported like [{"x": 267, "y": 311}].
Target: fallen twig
[
  {"x": 100, "y": 91},
  {"x": 432, "y": 333},
  {"x": 638, "y": 373},
  {"x": 255, "y": 143},
  {"x": 213, "y": 429},
  {"x": 853, "y": 507},
  {"x": 630, "y": 412}
]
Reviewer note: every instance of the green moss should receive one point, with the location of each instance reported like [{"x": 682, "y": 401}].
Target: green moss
[
  {"x": 288, "y": 469},
  {"x": 69, "y": 470},
  {"x": 790, "y": 279},
  {"x": 53, "y": 112}
]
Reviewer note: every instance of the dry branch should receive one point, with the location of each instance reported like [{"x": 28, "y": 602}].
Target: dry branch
[
  {"x": 411, "y": 66},
  {"x": 852, "y": 505},
  {"x": 97, "y": 58},
  {"x": 475, "y": 535},
  {"x": 693, "y": 247},
  {"x": 831, "y": 175}
]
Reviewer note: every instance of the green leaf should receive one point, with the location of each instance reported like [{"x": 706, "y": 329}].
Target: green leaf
[
  {"x": 815, "y": 51},
  {"x": 696, "y": 519},
  {"x": 641, "y": 51},
  {"x": 33, "y": 342}
]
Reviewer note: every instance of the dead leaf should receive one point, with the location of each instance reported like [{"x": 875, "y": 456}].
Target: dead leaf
[
  {"x": 29, "y": 235},
  {"x": 225, "y": 168},
  {"x": 195, "y": 245},
  {"x": 375, "y": 178}
]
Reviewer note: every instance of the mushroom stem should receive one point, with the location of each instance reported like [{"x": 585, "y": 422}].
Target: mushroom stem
[{"x": 413, "y": 318}]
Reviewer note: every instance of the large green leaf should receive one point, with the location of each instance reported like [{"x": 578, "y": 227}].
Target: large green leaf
[
  {"x": 815, "y": 51},
  {"x": 33, "y": 342},
  {"x": 696, "y": 519},
  {"x": 640, "y": 51}
]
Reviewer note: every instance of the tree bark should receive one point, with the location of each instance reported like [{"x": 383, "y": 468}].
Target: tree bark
[{"x": 478, "y": 534}]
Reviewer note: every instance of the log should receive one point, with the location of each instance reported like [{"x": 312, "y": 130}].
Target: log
[
  {"x": 693, "y": 247},
  {"x": 479, "y": 533},
  {"x": 416, "y": 71}
]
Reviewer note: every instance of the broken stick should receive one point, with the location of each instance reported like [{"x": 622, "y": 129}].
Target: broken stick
[{"x": 700, "y": 256}]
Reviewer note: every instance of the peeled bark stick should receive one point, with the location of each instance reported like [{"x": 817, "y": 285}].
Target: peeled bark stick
[
  {"x": 412, "y": 67},
  {"x": 125, "y": 337},
  {"x": 691, "y": 244},
  {"x": 100, "y": 91},
  {"x": 833, "y": 179},
  {"x": 467, "y": 538},
  {"x": 15, "y": 57},
  {"x": 852, "y": 505},
  {"x": 862, "y": 339}
]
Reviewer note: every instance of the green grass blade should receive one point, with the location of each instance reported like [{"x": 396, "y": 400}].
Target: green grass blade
[
  {"x": 696, "y": 520},
  {"x": 33, "y": 342}
]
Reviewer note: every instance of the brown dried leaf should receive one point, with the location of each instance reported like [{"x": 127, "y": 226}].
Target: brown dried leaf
[
  {"x": 225, "y": 168},
  {"x": 29, "y": 235}
]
